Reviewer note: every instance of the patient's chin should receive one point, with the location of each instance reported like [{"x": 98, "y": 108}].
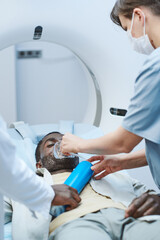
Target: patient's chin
[
  {"x": 52, "y": 164},
  {"x": 49, "y": 163}
]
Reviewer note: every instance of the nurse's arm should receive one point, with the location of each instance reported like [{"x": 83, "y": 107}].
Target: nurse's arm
[
  {"x": 119, "y": 141},
  {"x": 108, "y": 164}
]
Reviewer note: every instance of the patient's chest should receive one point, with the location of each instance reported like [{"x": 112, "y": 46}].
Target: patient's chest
[{"x": 90, "y": 202}]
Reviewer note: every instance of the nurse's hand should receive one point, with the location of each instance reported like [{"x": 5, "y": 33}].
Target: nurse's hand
[
  {"x": 70, "y": 143},
  {"x": 144, "y": 205},
  {"x": 65, "y": 195},
  {"x": 105, "y": 165}
]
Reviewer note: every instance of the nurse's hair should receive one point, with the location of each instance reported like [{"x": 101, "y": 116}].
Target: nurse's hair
[{"x": 126, "y": 7}]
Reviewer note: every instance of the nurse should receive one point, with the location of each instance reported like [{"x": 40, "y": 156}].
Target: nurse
[
  {"x": 18, "y": 182},
  {"x": 141, "y": 20}
]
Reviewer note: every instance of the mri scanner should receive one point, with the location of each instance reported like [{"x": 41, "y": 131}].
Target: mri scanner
[
  {"x": 83, "y": 27},
  {"x": 66, "y": 23}
]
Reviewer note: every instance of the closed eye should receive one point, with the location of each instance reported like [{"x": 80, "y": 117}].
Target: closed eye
[{"x": 50, "y": 145}]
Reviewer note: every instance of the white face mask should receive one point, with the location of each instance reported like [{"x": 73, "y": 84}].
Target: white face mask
[{"x": 141, "y": 44}]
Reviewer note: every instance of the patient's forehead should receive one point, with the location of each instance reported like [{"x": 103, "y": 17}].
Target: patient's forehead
[{"x": 57, "y": 136}]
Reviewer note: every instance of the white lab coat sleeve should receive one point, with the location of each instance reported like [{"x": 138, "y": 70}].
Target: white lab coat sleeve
[
  {"x": 7, "y": 210},
  {"x": 20, "y": 183}
]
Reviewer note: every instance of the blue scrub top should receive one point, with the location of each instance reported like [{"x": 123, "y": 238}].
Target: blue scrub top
[{"x": 143, "y": 116}]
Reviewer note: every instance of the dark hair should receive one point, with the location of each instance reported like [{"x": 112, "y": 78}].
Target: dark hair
[
  {"x": 37, "y": 152},
  {"x": 126, "y": 7}
]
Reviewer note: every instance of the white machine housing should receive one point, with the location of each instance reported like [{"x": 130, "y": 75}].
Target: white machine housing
[{"x": 83, "y": 27}]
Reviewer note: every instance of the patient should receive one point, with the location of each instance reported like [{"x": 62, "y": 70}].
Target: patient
[{"x": 97, "y": 217}]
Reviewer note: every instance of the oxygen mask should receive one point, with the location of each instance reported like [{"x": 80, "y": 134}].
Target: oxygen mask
[
  {"x": 59, "y": 155},
  {"x": 57, "y": 151}
]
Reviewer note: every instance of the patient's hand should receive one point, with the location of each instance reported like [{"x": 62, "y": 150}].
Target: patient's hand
[
  {"x": 105, "y": 165},
  {"x": 70, "y": 143},
  {"x": 144, "y": 205},
  {"x": 65, "y": 195}
]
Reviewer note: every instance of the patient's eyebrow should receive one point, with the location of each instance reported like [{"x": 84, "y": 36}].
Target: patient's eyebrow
[{"x": 51, "y": 139}]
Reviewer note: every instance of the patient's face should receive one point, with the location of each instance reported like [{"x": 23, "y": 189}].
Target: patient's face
[{"x": 49, "y": 160}]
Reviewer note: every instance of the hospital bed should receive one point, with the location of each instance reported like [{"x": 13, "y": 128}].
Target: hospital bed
[{"x": 26, "y": 137}]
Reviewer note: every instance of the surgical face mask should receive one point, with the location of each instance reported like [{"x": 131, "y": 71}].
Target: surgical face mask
[{"x": 141, "y": 44}]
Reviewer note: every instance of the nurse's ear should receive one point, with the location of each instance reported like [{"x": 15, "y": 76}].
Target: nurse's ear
[
  {"x": 138, "y": 23},
  {"x": 39, "y": 164},
  {"x": 140, "y": 14}
]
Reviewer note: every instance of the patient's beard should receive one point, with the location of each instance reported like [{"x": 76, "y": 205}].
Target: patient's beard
[{"x": 52, "y": 164}]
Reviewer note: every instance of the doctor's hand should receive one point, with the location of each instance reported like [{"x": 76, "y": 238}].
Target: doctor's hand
[
  {"x": 65, "y": 195},
  {"x": 70, "y": 143},
  {"x": 105, "y": 165},
  {"x": 144, "y": 205}
]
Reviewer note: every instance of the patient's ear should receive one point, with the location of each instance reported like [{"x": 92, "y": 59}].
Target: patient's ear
[{"x": 39, "y": 165}]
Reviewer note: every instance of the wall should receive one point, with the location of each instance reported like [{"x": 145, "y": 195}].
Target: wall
[{"x": 51, "y": 88}]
